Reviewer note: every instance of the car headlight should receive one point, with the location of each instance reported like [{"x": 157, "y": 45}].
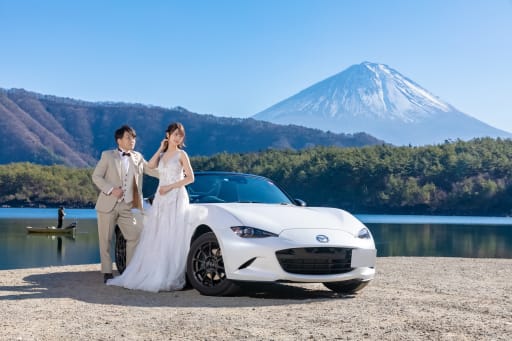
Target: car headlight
[
  {"x": 364, "y": 233},
  {"x": 251, "y": 232}
]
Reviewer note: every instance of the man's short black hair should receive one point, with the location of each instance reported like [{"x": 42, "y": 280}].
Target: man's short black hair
[{"x": 120, "y": 132}]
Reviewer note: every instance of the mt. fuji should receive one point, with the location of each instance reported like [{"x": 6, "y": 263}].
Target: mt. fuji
[{"x": 378, "y": 100}]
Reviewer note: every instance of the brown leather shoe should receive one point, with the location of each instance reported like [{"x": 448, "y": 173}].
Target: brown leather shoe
[{"x": 106, "y": 277}]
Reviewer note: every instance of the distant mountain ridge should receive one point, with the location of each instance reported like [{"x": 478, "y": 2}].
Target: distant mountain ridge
[
  {"x": 46, "y": 129},
  {"x": 377, "y": 99}
]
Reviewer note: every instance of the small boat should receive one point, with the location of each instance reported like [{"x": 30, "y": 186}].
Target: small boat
[{"x": 70, "y": 229}]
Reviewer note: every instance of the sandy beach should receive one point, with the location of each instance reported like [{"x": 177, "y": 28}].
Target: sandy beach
[{"x": 410, "y": 299}]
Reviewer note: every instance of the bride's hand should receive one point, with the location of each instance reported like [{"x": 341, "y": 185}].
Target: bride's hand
[
  {"x": 164, "y": 189},
  {"x": 164, "y": 143}
]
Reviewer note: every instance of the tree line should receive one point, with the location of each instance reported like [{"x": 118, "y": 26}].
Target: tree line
[
  {"x": 28, "y": 184},
  {"x": 456, "y": 177}
]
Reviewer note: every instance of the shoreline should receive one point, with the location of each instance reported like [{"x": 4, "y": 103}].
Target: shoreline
[
  {"x": 410, "y": 298},
  {"x": 397, "y": 218}
]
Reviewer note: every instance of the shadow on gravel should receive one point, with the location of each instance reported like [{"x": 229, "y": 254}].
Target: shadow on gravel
[{"x": 87, "y": 286}]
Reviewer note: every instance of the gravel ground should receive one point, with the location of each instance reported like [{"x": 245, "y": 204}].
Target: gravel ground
[{"x": 410, "y": 299}]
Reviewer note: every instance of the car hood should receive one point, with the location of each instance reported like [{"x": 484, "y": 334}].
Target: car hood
[{"x": 277, "y": 218}]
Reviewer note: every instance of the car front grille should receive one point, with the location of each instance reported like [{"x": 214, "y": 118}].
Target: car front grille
[{"x": 315, "y": 260}]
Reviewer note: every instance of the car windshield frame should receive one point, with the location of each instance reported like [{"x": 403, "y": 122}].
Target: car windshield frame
[{"x": 231, "y": 187}]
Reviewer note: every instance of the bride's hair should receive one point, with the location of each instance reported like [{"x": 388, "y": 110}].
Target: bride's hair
[{"x": 173, "y": 127}]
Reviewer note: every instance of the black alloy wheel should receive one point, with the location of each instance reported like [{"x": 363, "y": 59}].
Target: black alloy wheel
[
  {"x": 347, "y": 287},
  {"x": 120, "y": 250},
  {"x": 205, "y": 267}
]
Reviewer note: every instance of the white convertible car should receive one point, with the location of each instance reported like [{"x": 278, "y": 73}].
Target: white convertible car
[{"x": 246, "y": 228}]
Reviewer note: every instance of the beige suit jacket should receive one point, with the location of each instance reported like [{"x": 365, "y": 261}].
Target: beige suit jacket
[{"x": 107, "y": 175}]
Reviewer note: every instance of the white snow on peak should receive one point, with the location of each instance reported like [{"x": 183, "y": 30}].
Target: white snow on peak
[
  {"x": 377, "y": 99},
  {"x": 365, "y": 90},
  {"x": 404, "y": 93}
]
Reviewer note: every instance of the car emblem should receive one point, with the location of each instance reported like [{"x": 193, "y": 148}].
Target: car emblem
[{"x": 322, "y": 238}]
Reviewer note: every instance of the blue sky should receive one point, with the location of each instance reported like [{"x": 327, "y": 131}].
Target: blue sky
[{"x": 238, "y": 57}]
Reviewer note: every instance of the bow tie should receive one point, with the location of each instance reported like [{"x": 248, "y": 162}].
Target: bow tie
[{"x": 124, "y": 153}]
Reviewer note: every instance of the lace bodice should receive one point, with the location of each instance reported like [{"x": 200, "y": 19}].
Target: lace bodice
[{"x": 170, "y": 170}]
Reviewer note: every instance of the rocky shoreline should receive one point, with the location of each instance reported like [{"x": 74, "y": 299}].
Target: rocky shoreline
[{"x": 410, "y": 299}]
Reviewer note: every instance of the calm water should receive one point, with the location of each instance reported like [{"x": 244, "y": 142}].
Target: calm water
[{"x": 480, "y": 237}]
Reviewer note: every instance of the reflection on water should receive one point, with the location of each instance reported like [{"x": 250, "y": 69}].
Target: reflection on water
[
  {"x": 443, "y": 240},
  {"x": 19, "y": 249}
]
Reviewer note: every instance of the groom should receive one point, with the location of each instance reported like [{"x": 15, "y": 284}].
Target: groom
[{"x": 119, "y": 175}]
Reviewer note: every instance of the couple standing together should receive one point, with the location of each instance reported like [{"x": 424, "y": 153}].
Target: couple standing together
[{"x": 156, "y": 248}]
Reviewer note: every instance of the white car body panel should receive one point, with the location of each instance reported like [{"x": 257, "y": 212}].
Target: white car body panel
[{"x": 296, "y": 227}]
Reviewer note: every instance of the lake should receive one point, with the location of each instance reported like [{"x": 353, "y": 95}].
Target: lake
[{"x": 395, "y": 235}]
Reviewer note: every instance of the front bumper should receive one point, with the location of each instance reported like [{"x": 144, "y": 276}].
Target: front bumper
[{"x": 261, "y": 259}]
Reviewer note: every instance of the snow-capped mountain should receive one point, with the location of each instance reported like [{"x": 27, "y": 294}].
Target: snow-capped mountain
[{"x": 378, "y": 100}]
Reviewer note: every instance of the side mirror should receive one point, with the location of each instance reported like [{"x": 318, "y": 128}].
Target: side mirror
[{"x": 299, "y": 202}]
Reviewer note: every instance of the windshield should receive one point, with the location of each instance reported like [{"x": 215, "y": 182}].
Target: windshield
[{"x": 217, "y": 188}]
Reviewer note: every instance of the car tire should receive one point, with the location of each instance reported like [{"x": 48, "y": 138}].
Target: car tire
[
  {"x": 205, "y": 268},
  {"x": 120, "y": 250},
  {"x": 346, "y": 287}
]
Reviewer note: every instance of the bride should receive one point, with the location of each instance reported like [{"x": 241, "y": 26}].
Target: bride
[{"x": 159, "y": 261}]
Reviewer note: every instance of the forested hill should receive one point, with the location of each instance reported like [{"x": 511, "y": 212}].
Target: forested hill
[
  {"x": 466, "y": 178},
  {"x": 51, "y": 130}
]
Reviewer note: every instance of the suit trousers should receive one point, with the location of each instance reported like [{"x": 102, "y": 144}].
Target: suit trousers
[{"x": 130, "y": 227}]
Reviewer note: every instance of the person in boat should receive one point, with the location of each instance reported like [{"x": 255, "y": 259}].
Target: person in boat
[{"x": 60, "y": 218}]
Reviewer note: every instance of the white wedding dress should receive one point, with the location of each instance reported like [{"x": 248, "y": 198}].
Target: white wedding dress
[{"x": 159, "y": 261}]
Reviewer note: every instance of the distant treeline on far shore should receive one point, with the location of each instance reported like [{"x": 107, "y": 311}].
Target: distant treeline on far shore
[{"x": 454, "y": 178}]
